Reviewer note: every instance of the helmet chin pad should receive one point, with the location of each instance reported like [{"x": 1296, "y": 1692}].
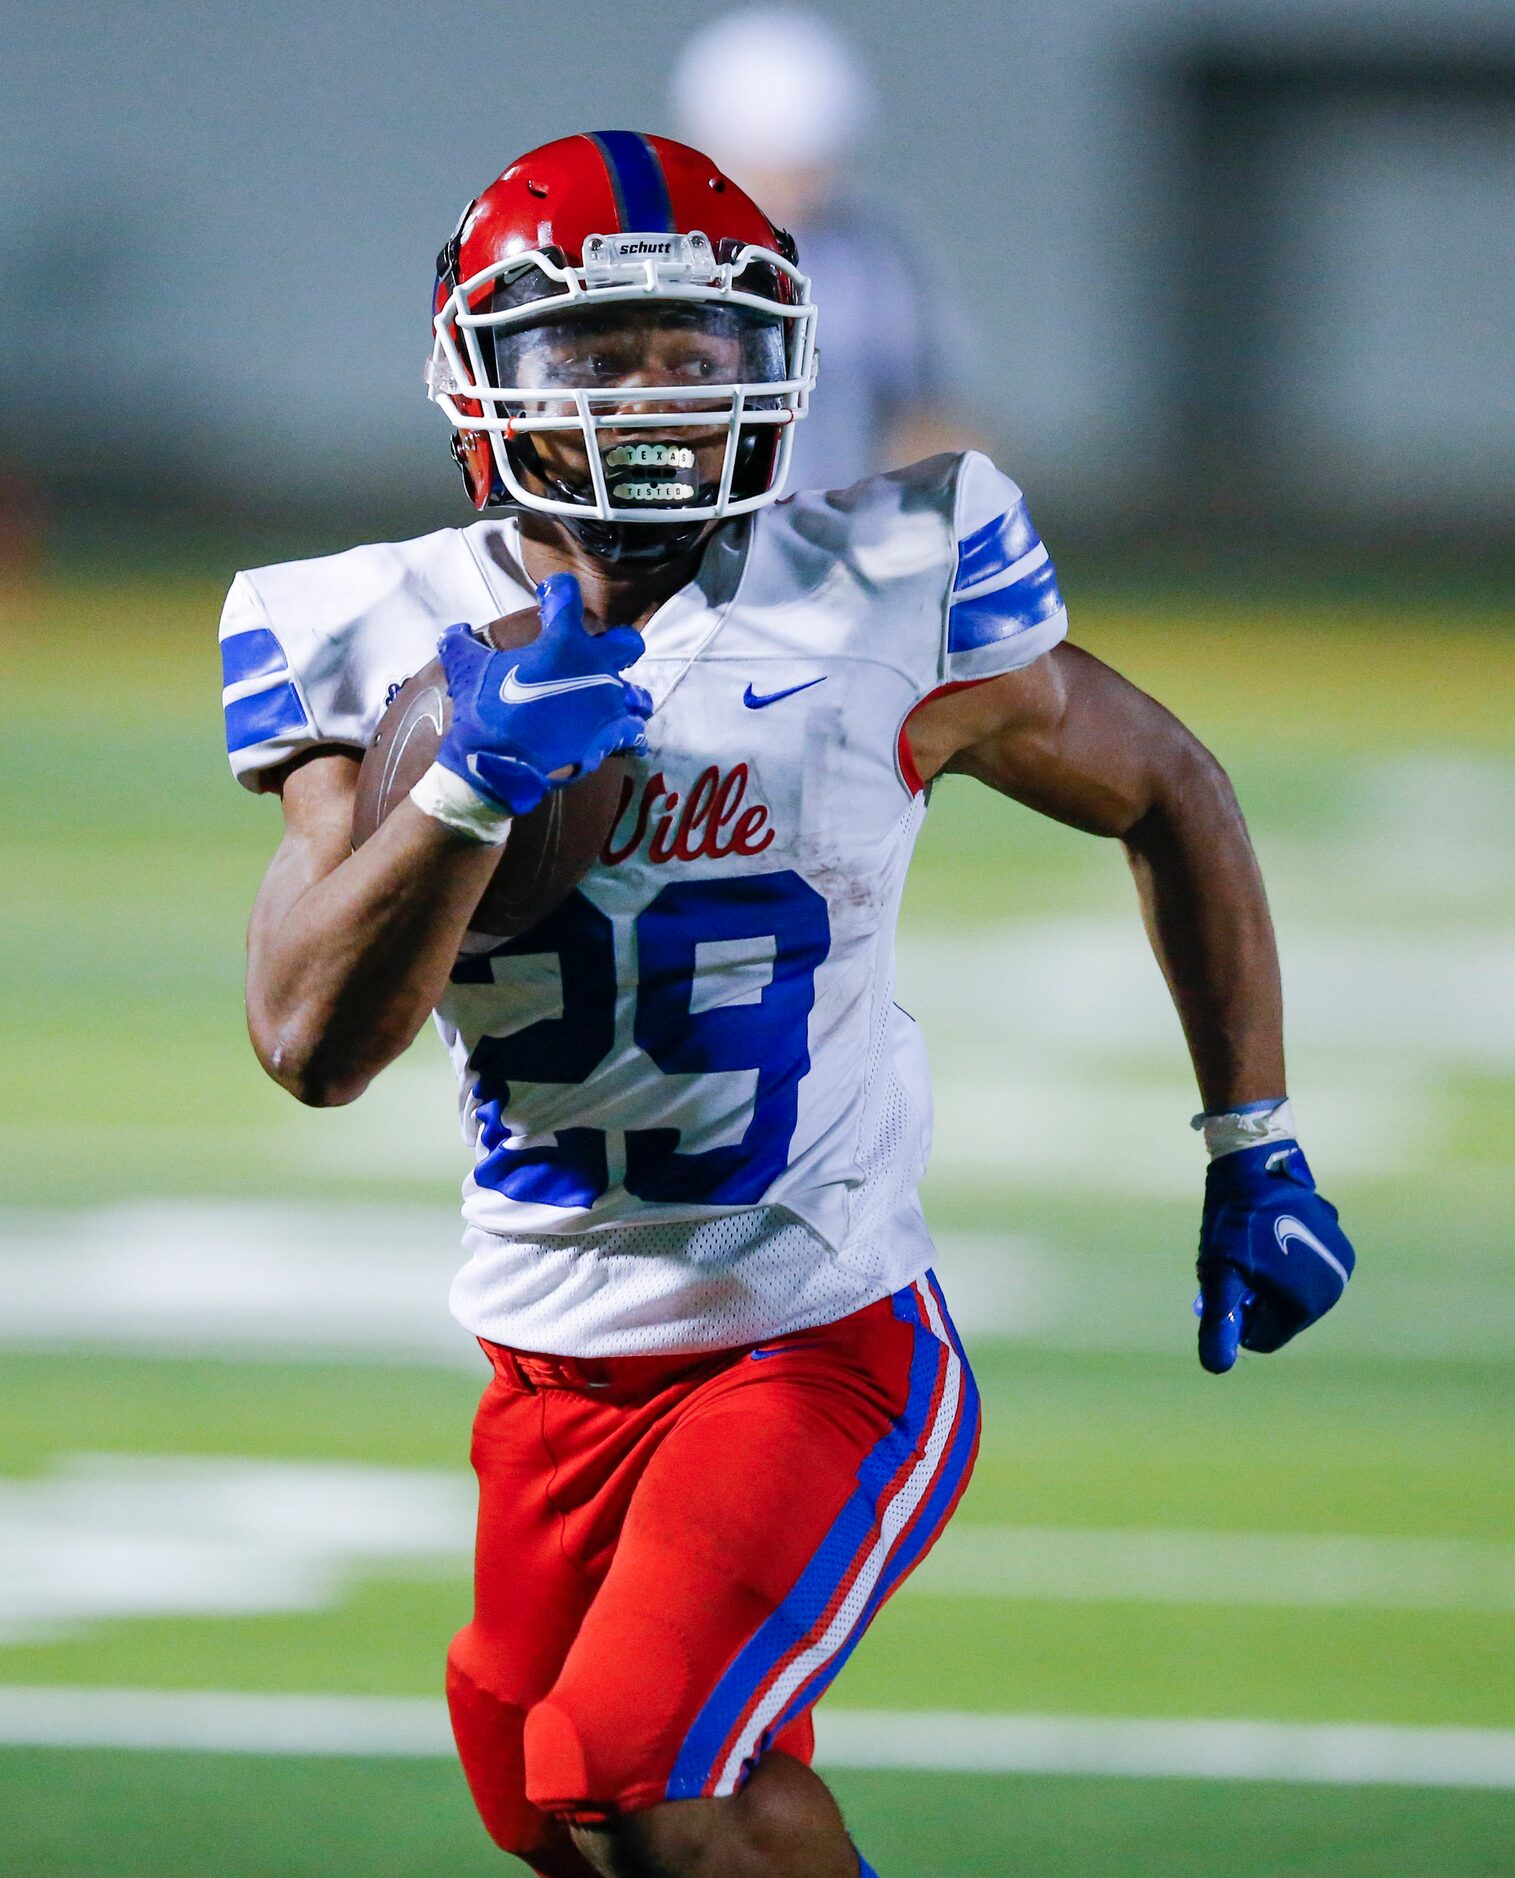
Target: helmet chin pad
[{"x": 633, "y": 542}]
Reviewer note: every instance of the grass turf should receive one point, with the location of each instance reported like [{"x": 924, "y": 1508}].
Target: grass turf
[
  {"x": 74, "y": 1814},
  {"x": 1373, "y": 760},
  {"x": 1071, "y": 1439}
]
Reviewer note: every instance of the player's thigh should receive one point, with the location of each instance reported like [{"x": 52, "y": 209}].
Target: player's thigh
[
  {"x": 529, "y": 1596},
  {"x": 794, "y": 1493},
  {"x": 529, "y": 1600}
]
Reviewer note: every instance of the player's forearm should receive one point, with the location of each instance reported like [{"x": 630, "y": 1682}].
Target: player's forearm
[
  {"x": 1207, "y": 916},
  {"x": 344, "y": 968}
]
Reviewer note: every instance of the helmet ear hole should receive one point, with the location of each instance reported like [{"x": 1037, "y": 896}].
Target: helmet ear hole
[
  {"x": 756, "y": 276},
  {"x": 447, "y": 259}
]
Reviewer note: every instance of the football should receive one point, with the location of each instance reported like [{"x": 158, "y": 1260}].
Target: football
[{"x": 548, "y": 852}]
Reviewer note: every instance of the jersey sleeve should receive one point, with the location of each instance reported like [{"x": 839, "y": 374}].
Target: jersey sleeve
[
  {"x": 1004, "y": 608},
  {"x": 312, "y": 650},
  {"x": 265, "y": 696}
]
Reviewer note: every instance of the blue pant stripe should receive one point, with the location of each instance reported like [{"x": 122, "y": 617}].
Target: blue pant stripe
[
  {"x": 853, "y": 1530},
  {"x": 954, "y": 1465}
]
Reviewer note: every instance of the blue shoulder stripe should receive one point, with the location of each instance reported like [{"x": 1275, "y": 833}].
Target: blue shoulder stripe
[
  {"x": 994, "y": 547},
  {"x": 636, "y": 176},
  {"x": 252, "y": 654},
  {"x": 265, "y": 714},
  {"x": 1005, "y": 612}
]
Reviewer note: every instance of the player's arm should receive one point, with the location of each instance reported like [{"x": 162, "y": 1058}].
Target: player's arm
[
  {"x": 348, "y": 951},
  {"x": 1072, "y": 739}
]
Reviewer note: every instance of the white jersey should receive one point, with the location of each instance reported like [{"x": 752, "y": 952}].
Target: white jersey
[{"x": 698, "y": 1118}]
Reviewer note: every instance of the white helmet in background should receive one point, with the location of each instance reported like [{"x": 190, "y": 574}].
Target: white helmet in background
[{"x": 772, "y": 87}]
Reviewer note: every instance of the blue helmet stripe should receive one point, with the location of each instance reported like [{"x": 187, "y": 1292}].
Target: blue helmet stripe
[{"x": 636, "y": 176}]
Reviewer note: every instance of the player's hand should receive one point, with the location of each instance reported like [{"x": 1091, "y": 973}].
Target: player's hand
[
  {"x": 533, "y": 718},
  {"x": 1272, "y": 1258}
]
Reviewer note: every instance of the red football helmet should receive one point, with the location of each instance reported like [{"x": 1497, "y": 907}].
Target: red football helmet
[{"x": 613, "y": 233}]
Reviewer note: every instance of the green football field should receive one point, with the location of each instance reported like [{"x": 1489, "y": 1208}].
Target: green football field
[{"x": 233, "y": 1418}]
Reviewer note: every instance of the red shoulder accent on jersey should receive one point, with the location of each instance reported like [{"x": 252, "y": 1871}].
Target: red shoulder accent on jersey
[{"x": 908, "y": 772}]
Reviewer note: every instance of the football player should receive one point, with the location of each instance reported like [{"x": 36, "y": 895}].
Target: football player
[{"x": 728, "y": 1410}]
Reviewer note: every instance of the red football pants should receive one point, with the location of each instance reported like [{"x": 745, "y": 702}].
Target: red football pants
[{"x": 677, "y": 1554}]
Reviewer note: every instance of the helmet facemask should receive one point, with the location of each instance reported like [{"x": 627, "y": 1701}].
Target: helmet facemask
[
  {"x": 640, "y": 396},
  {"x": 663, "y": 469}
]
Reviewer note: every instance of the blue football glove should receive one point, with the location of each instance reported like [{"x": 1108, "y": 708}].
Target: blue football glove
[
  {"x": 1272, "y": 1258},
  {"x": 533, "y": 718}
]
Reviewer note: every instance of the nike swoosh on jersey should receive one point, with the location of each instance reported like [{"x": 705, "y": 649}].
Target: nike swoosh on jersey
[
  {"x": 1286, "y": 1227},
  {"x": 755, "y": 702},
  {"x": 515, "y": 690}
]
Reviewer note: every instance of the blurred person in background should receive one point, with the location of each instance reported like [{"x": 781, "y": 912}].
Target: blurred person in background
[{"x": 781, "y": 101}]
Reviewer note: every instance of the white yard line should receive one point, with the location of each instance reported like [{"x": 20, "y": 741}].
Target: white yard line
[
  {"x": 947, "y": 1741},
  {"x": 1152, "y": 1566},
  {"x": 110, "y": 1537},
  {"x": 322, "y": 1280},
  {"x": 214, "y": 1722},
  {"x": 318, "y": 1281},
  {"x": 162, "y": 1277},
  {"x": 939, "y": 1741},
  {"x": 105, "y": 1538}
]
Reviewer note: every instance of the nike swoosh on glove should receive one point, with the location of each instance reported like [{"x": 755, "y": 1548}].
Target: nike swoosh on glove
[
  {"x": 559, "y": 704},
  {"x": 1272, "y": 1258}
]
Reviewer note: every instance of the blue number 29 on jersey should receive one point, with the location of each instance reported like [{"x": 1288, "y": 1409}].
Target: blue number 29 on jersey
[{"x": 768, "y": 1035}]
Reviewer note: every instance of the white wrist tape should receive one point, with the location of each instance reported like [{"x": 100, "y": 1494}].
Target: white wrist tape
[
  {"x": 1251, "y": 1127},
  {"x": 457, "y": 805}
]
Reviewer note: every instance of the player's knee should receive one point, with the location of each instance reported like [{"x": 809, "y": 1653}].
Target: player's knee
[
  {"x": 488, "y": 1730},
  {"x": 570, "y": 1768},
  {"x": 588, "y": 1760},
  {"x": 783, "y": 1819}
]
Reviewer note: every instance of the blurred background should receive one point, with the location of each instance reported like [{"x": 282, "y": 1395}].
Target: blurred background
[{"x": 1227, "y": 287}]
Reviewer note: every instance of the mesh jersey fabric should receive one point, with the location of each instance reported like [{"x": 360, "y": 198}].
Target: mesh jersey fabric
[{"x": 725, "y": 1144}]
